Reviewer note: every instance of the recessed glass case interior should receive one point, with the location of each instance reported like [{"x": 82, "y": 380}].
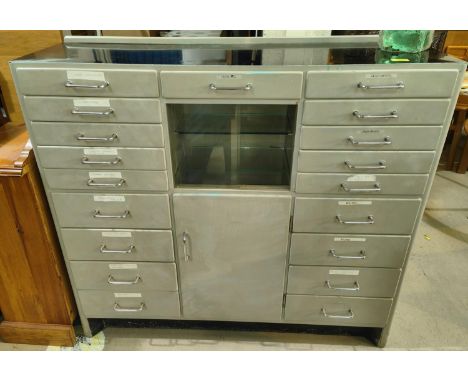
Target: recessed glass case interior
[{"x": 232, "y": 144}]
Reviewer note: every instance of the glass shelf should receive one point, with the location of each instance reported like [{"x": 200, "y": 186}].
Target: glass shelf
[{"x": 232, "y": 145}]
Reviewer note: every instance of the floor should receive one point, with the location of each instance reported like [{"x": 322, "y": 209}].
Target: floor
[{"x": 432, "y": 312}]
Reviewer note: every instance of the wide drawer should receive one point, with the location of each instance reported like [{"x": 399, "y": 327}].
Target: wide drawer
[
  {"x": 381, "y": 83},
  {"x": 124, "y": 276},
  {"x": 380, "y": 216},
  {"x": 245, "y": 85},
  {"x": 112, "y": 211},
  {"x": 370, "y": 138},
  {"x": 342, "y": 311},
  {"x": 70, "y": 109},
  {"x": 361, "y": 184},
  {"x": 97, "y": 134},
  {"x": 145, "y": 304},
  {"x": 117, "y": 245},
  {"x": 365, "y": 161},
  {"x": 92, "y": 82},
  {"x": 342, "y": 281},
  {"x": 128, "y": 180},
  {"x": 376, "y": 112},
  {"x": 348, "y": 250},
  {"x": 107, "y": 158}
]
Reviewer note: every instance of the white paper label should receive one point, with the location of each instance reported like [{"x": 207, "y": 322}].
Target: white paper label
[
  {"x": 116, "y": 234},
  {"x": 362, "y": 178},
  {"x": 345, "y": 272},
  {"x": 125, "y": 295},
  {"x": 349, "y": 239},
  {"x": 109, "y": 198},
  {"x": 381, "y": 75},
  {"x": 85, "y": 75},
  {"x": 225, "y": 76},
  {"x": 100, "y": 151},
  {"x": 354, "y": 203},
  {"x": 91, "y": 102},
  {"x": 107, "y": 175},
  {"x": 123, "y": 266}
]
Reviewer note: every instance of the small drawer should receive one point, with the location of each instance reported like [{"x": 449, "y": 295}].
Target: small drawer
[
  {"x": 112, "y": 211},
  {"x": 145, "y": 304},
  {"x": 84, "y": 82},
  {"x": 376, "y": 112},
  {"x": 341, "y": 311},
  {"x": 381, "y": 83},
  {"x": 361, "y": 184},
  {"x": 366, "y": 161},
  {"x": 342, "y": 281},
  {"x": 126, "y": 180},
  {"x": 373, "y": 216},
  {"x": 97, "y": 134},
  {"x": 348, "y": 250},
  {"x": 376, "y": 138},
  {"x": 124, "y": 276},
  {"x": 106, "y": 158},
  {"x": 109, "y": 110},
  {"x": 118, "y": 245},
  {"x": 243, "y": 85}
]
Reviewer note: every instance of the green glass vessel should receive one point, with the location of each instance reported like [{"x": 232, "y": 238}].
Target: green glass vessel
[{"x": 410, "y": 41}]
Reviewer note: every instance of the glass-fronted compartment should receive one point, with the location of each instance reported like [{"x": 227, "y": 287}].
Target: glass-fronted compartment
[{"x": 232, "y": 145}]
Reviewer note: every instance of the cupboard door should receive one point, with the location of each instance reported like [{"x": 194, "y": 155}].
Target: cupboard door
[{"x": 232, "y": 255}]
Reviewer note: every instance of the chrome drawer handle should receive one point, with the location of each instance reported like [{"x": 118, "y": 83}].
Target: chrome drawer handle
[
  {"x": 362, "y": 255},
  {"x": 357, "y": 114},
  {"x": 345, "y": 316},
  {"x": 354, "y": 288},
  {"x": 246, "y": 87},
  {"x": 185, "y": 241},
  {"x": 88, "y": 112},
  {"x": 97, "y": 214},
  {"x": 113, "y": 281},
  {"x": 129, "y": 250},
  {"x": 111, "y": 138},
  {"x": 116, "y": 160},
  {"x": 398, "y": 85},
  {"x": 118, "y": 308},
  {"x": 71, "y": 84},
  {"x": 92, "y": 183},
  {"x": 380, "y": 166},
  {"x": 370, "y": 220},
  {"x": 376, "y": 188},
  {"x": 386, "y": 141}
]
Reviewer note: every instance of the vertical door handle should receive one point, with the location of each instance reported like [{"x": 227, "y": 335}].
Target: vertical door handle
[{"x": 186, "y": 244}]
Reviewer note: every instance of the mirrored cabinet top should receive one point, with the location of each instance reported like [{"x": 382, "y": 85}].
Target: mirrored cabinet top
[{"x": 229, "y": 51}]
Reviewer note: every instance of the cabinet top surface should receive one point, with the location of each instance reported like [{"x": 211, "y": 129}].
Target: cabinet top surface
[{"x": 259, "y": 52}]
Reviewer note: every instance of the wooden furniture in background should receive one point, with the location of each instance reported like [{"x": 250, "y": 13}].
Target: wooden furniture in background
[
  {"x": 14, "y": 44},
  {"x": 36, "y": 301},
  {"x": 463, "y": 166}
]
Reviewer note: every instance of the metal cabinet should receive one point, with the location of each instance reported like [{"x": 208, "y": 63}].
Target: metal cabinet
[
  {"x": 284, "y": 194},
  {"x": 232, "y": 255}
]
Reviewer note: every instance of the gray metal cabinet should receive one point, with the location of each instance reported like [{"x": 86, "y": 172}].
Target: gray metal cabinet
[
  {"x": 232, "y": 255},
  {"x": 285, "y": 193}
]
